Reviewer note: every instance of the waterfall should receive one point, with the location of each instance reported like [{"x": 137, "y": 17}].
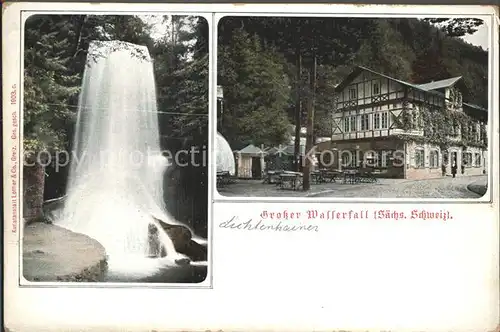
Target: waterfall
[{"x": 115, "y": 184}]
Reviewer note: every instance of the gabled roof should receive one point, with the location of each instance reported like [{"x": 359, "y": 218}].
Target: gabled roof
[
  {"x": 475, "y": 107},
  {"x": 427, "y": 87},
  {"x": 360, "y": 69},
  {"x": 272, "y": 150},
  {"x": 251, "y": 149},
  {"x": 440, "y": 84},
  {"x": 283, "y": 150}
]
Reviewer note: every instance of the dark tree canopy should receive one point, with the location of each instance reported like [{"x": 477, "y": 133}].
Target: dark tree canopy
[
  {"x": 56, "y": 49},
  {"x": 56, "y": 52},
  {"x": 415, "y": 50},
  {"x": 457, "y": 27},
  {"x": 256, "y": 92}
]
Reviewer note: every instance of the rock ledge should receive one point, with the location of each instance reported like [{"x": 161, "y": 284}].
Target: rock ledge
[{"x": 52, "y": 253}]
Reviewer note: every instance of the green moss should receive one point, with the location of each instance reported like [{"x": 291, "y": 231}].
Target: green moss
[{"x": 440, "y": 126}]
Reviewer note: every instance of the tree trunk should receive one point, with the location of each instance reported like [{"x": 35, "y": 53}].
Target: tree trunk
[
  {"x": 79, "y": 28},
  {"x": 298, "y": 114},
  {"x": 33, "y": 187},
  {"x": 310, "y": 128}
]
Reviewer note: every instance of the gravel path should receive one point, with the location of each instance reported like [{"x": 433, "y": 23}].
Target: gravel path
[
  {"x": 432, "y": 188},
  {"x": 446, "y": 187}
]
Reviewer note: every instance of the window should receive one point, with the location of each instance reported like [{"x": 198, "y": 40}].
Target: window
[
  {"x": 456, "y": 130},
  {"x": 429, "y": 128},
  {"x": 349, "y": 159},
  {"x": 365, "y": 122},
  {"x": 381, "y": 159},
  {"x": 376, "y": 89},
  {"x": 467, "y": 159},
  {"x": 350, "y": 123},
  {"x": 345, "y": 158},
  {"x": 354, "y": 159},
  {"x": 370, "y": 159},
  {"x": 445, "y": 158},
  {"x": 482, "y": 133},
  {"x": 325, "y": 158},
  {"x": 469, "y": 130},
  {"x": 353, "y": 123},
  {"x": 385, "y": 122},
  {"x": 434, "y": 159},
  {"x": 346, "y": 124},
  {"x": 376, "y": 121},
  {"x": 414, "y": 119},
  {"x": 419, "y": 158},
  {"x": 352, "y": 93},
  {"x": 360, "y": 158},
  {"x": 478, "y": 159},
  {"x": 420, "y": 120},
  {"x": 387, "y": 158},
  {"x": 377, "y": 159}
]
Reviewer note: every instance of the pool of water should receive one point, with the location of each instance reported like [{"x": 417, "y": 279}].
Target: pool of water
[
  {"x": 179, "y": 269},
  {"x": 157, "y": 271}
]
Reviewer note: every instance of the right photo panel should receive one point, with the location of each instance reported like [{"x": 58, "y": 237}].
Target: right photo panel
[{"x": 352, "y": 107}]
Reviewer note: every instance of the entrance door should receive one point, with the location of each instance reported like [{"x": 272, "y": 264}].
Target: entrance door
[
  {"x": 256, "y": 168},
  {"x": 453, "y": 158}
]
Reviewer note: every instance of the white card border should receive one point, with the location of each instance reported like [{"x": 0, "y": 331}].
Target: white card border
[{"x": 16, "y": 298}]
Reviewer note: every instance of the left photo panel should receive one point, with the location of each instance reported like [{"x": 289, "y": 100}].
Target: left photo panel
[{"x": 115, "y": 133}]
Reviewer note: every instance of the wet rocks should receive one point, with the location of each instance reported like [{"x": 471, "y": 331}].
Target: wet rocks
[
  {"x": 183, "y": 242},
  {"x": 52, "y": 253},
  {"x": 197, "y": 252}
]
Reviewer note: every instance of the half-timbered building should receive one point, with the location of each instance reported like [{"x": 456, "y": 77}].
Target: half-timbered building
[{"x": 405, "y": 130}]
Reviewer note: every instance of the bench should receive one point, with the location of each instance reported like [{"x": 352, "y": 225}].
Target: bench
[
  {"x": 272, "y": 176},
  {"x": 290, "y": 180},
  {"x": 223, "y": 178},
  {"x": 351, "y": 176},
  {"x": 330, "y": 176}
]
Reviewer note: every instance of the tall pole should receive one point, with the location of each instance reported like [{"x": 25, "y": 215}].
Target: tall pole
[
  {"x": 220, "y": 108},
  {"x": 221, "y": 113},
  {"x": 298, "y": 113},
  {"x": 310, "y": 126}
]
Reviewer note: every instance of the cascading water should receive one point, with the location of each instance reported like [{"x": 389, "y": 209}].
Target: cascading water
[
  {"x": 115, "y": 186},
  {"x": 225, "y": 157}
]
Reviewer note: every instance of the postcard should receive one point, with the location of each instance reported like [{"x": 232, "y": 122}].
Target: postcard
[{"x": 258, "y": 167}]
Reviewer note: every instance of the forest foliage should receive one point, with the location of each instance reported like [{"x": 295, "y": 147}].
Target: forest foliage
[
  {"x": 264, "y": 68},
  {"x": 257, "y": 68},
  {"x": 56, "y": 51},
  {"x": 413, "y": 50}
]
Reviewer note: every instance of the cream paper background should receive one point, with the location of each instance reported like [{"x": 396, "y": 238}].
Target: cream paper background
[{"x": 351, "y": 275}]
